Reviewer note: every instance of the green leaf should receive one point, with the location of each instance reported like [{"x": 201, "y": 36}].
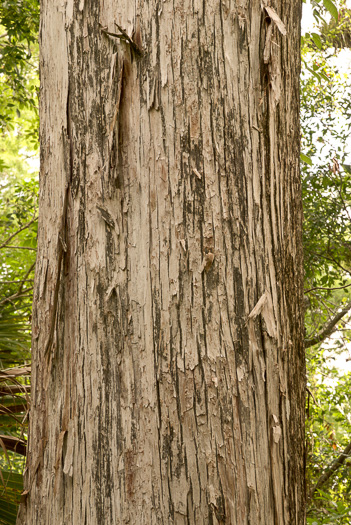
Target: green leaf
[
  {"x": 330, "y": 6},
  {"x": 317, "y": 40},
  {"x": 347, "y": 168},
  {"x": 12, "y": 480},
  {"x": 305, "y": 159},
  {"x": 10, "y": 496},
  {"x": 316, "y": 75}
]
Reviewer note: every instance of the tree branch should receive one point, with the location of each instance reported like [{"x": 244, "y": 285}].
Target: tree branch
[
  {"x": 9, "y": 239},
  {"x": 329, "y": 329},
  {"x": 13, "y": 409},
  {"x": 332, "y": 260},
  {"x": 17, "y": 295},
  {"x": 9, "y": 390},
  {"x": 333, "y": 467},
  {"x": 21, "y": 248},
  {"x": 14, "y": 444},
  {"x": 329, "y": 289},
  {"x": 311, "y": 394},
  {"x": 20, "y": 292},
  {"x": 18, "y": 371},
  {"x": 16, "y": 282},
  {"x": 26, "y": 276}
]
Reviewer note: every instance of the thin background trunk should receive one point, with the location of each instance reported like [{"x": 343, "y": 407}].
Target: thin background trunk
[{"x": 165, "y": 396}]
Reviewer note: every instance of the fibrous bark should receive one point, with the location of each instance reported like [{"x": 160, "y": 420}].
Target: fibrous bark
[{"x": 168, "y": 366}]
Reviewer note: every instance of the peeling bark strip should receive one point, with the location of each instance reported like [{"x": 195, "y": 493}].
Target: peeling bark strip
[{"x": 173, "y": 392}]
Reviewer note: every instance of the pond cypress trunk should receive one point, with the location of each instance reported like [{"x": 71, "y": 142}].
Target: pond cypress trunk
[{"x": 168, "y": 365}]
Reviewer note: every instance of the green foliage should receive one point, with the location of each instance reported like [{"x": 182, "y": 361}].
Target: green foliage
[
  {"x": 331, "y": 7},
  {"x": 337, "y": 34},
  {"x": 328, "y": 432},
  {"x": 18, "y": 230},
  {"x": 19, "y": 21},
  {"x": 14, "y": 338},
  {"x": 334, "y": 33},
  {"x": 10, "y": 489},
  {"x": 14, "y": 406},
  {"x": 323, "y": 7},
  {"x": 325, "y": 127},
  {"x": 326, "y": 124},
  {"x": 18, "y": 227}
]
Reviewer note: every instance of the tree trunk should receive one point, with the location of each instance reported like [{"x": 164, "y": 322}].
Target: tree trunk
[{"x": 168, "y": 364}]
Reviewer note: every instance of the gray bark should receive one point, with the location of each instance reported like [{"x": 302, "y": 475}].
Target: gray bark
[{"x": 168, "y": 365}]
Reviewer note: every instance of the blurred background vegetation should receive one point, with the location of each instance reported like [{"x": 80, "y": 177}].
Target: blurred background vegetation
[
  {"x": 326, "y": 183},
  {"x": 19, "y": 83}
]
